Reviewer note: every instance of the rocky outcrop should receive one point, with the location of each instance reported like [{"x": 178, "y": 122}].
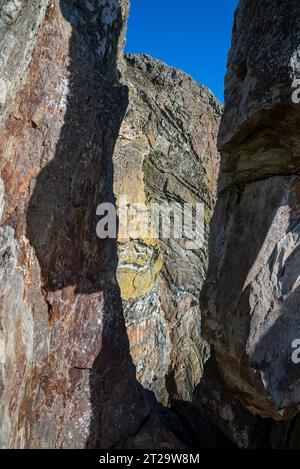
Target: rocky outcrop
[
  {"x": 66, "y": 376},
  {"x": 19, "y": 25},
  {"x": 166, "y": 153},
  {"x": 251, "y": 297},
  {"x": 81, "y": 125}
]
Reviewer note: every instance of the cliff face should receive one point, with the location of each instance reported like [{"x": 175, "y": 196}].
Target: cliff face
[
  {"x": 67, "y": 378},
  {"x": 81, "y": 126},
  {"x": 251, "y": 297},
  {"x": 166, "y": 153}
]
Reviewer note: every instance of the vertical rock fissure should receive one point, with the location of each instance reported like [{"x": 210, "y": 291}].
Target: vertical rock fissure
[{"x": 67, "y": 381}]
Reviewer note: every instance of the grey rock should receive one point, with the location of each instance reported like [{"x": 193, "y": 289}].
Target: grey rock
[
  {"x": 262, "y": 65},
  {"x": 250, "y": 298},
  {"x": 2, "y": 202},
  {"x": 19, "y": 24},
  {"x": 67, "y": 378}
]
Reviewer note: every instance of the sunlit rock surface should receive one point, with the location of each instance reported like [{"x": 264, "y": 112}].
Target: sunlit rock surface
[
  {"x": 166, "y": 153},
  {"x": 66, "y": 375},
  {"x": 80, "y": 125}
]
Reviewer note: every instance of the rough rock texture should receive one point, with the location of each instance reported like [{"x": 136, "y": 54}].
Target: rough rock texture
[
  {"x": 251, "y": 297},
  {"x": 67, "y": 378},
  {"x": 19, "y": 24},
  {"x": 166, "y": 152}
]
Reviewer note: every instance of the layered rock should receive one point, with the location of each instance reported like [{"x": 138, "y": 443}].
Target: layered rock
[
  {"x": 251, "y": 297},
  {"x": 67, "y": 378},
  {"x": 166, "y": 153}
]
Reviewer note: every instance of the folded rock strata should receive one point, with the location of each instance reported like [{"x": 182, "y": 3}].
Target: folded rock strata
[
  {"x": 81, "y": 125},
  {"x": 165, "y": 154},
  {"x": 66, "y": 375}
]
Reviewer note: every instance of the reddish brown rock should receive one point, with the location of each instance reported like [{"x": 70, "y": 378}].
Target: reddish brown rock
[{"x": 67, "y": 378}]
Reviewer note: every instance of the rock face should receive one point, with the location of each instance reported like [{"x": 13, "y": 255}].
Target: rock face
[
  {"x": 166, "y": 153},
  {"x": 19, "y": 25},
  {"x": 251, "y": 297},
  {"x": 66, "y": 376},
  {"x": 82, "y": 125}
]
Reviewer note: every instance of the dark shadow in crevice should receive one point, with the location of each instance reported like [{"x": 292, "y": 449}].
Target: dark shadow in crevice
[
  {"x": 61, "y": 227},
  {"x": 61, "y": 216},
  {"x": 185, "y": 421}
]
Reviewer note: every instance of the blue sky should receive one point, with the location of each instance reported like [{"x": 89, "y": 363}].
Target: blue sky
[{"x": 192, "y": 35}]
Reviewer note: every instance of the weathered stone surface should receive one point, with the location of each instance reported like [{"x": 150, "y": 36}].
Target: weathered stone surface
[
  {"x": 81, "y": 125},
  {"x": 166, "y": 152},
  {"x": 16, "y": 344},
  {"x": 262, "y": 66},
  {"x": 251, "y": 297},
  {"x": 19, "y": 24},
  {"x": 67, "y": 378},
  {"x": 258, "y": 132},
  {"x": 2, "y": 201},
  {"x": 218, "y": 405}
]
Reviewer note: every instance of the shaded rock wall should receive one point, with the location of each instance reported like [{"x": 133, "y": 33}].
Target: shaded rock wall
[
  {"x": 19, "y": 25},
  {"x": 251, "y": 297},
  {"x": 81, "y": 125},
  {"x": 67, "y": 378},
  {"x": 166, "y": 153}
]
